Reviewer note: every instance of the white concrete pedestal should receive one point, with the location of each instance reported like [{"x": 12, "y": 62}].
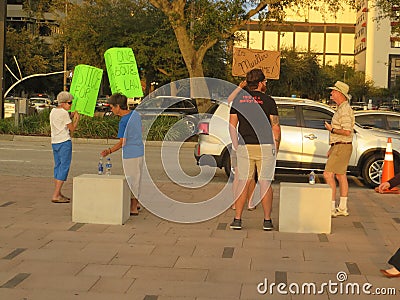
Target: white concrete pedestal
[
  {"x": 100, "y": 199},
  {"x": 305, "y": 208}
]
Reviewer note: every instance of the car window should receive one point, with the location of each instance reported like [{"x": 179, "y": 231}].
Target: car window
[
  {"x": 287, "y": 115},
  {"x": 188, "y": 104},
  {"x": 393, "y": 122},
  {"x": 179, "y": 104},
  {"x": 211, "y": 110},
  {"x": 372, "y": 120},
  {"x": 315, "y": 117}
]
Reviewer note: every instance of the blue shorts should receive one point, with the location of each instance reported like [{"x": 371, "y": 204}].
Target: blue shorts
[{"x": 62, "y": 153}]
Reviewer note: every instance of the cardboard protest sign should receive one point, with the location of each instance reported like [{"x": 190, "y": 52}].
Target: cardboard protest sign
[
  {"x": 245, "y": 60},
  {"x": 123, "y": 72},
  {"x": 85, "y": 89}
]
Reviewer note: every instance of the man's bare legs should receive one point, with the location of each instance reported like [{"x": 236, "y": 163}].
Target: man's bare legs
[
  {"x": 266, "y": 198},
  {"x": 330, "y": 180},
  {"x": 343, "y": 184},
  {"x": 242, "y": 190},
  {"x": 134, "y": 206}
]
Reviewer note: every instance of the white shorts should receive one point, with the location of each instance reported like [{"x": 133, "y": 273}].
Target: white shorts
[{"x": 133, "y": 172}]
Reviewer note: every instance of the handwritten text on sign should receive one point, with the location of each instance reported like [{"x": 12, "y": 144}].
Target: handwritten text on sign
[
  {"x": 85, "y": 89},
  {"x": 123, "y": 72},
  {"x": 245, "y": 60}
]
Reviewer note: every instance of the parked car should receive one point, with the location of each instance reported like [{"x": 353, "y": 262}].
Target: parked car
[
  {"x": 359, "y": 106},
  {"x": 40, "y": 103},
  {"x": 388, "y": 120},
  {"x": 305, "y": 141},
  {"x": 173, "y": 106},
  {"x": 102, "y": 104},
  {"x": 134, "y": 102}
]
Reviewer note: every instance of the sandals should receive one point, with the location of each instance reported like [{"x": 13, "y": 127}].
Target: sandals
[{"x": 60, "y": 200}]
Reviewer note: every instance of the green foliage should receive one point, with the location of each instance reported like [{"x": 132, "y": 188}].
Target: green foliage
[
  {"x": 164, "y": 128},
  {"x": 93, "y": 27},
  {"x": 96, "y": 127}
]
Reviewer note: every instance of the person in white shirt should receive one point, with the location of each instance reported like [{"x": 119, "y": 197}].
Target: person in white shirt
[{"x": 61, "y": 129}]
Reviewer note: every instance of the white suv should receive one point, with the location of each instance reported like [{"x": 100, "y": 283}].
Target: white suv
[{"x": 305, "y": 141}]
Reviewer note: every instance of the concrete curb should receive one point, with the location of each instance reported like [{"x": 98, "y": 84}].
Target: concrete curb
[{"x": 47, "y": 139}]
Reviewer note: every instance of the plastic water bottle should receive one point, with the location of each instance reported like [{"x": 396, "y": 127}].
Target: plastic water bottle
[
  {"x": 108, "y": 166},
  {"x": 311, "y": 178},
  {"x": 100, "y": 166}
]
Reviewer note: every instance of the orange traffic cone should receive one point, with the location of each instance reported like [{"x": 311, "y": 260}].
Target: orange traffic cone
[{"x": 388, "y": 168}]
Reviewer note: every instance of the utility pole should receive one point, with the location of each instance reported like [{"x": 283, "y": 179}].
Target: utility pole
[
  {"x": 3, "y": 20},
  {"x": 65, "y": 53}
]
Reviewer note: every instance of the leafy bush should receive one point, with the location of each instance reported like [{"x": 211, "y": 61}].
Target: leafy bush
[{"x": 96, "y": 127}]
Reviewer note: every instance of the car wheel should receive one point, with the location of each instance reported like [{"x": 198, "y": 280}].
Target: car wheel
[{"x": 372, "y": 169}]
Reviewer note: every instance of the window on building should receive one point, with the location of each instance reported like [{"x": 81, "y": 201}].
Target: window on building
[
  {"x": 395, "y": 44},
  {"x": 286, "y": 40},
  {"x": 302, "y": 41},
  {"x": 332, "y": 42},
  {"x": 347, "y": 43},
  {"x": 317, "y": 42},
  {"x": 271, "y": 40},
  {"x": 255, "y": 39}
]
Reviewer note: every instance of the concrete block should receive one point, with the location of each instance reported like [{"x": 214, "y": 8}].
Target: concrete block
[
  {"x": 100, "y": 199},
  {"x": 305, "y": 208}
]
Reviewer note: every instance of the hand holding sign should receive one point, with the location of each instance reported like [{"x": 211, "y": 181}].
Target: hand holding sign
[
  {"x": 85, "y": 88},
  {"x": 122, "y": 72}
]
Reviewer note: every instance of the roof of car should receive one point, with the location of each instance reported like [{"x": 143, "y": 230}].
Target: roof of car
[{"x": 376, "y": 112}]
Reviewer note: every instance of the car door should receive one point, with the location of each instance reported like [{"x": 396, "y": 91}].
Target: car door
[
  {"x": 290, "y": 150},
  {"x": 314, "y": 135}
]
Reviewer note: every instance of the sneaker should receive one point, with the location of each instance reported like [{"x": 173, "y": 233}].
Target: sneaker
[
  {"x": 236, "y": 224},
  {"x": 333, "y": 213},
  {"x": 341, "y": 212},
  {"x": 267, "y": 225}
]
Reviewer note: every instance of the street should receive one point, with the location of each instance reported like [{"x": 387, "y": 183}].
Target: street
[{"x": 35, "y": 159}]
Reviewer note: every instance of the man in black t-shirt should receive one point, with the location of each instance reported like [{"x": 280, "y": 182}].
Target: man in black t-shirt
[{"x": 254, "y": 116}]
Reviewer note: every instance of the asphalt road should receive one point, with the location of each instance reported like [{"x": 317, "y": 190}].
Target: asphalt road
[{"x": 35, "y": 159}]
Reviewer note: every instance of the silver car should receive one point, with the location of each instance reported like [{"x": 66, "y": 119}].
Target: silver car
[
  {"x": 388, "y": 120},
  {"x": 305, "y": 141}
]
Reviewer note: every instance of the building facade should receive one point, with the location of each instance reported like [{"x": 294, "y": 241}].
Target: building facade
[
  {"x": 330, "y": 36},
  {"x": 377, "y": 49},
  {"x": 351, "y": 36}
]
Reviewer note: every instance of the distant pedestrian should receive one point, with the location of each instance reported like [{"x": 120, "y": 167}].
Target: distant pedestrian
[
  {"x": 340, "y": 140},
  {"x": 130, "y": 140},
  {"x": 252, "y": 116},
  {"x": 61, "y": 129}
]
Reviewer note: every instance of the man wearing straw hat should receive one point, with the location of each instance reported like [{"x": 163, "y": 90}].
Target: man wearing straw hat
[{"x": 341, "y": 137}]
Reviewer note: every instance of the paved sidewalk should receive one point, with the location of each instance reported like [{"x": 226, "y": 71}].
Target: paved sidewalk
[{"x": 43, "y": 255}]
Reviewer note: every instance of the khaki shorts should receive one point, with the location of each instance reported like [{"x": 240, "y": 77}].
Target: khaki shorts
[
  {"x": 133, "y": 172},
  {"x": 339, "y": 158},
  {"x": 260, "y": 157}
]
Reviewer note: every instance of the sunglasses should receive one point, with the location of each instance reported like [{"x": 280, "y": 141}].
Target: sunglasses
[{"x": 69, "y": 102}]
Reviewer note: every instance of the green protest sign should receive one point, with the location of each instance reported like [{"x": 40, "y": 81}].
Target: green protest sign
[
  {"x": 85, "y": 89},
  {"x": 123, "y": 72}
]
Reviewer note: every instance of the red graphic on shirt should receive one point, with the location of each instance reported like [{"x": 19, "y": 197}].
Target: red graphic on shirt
[{"x": 250, "y": 99}]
